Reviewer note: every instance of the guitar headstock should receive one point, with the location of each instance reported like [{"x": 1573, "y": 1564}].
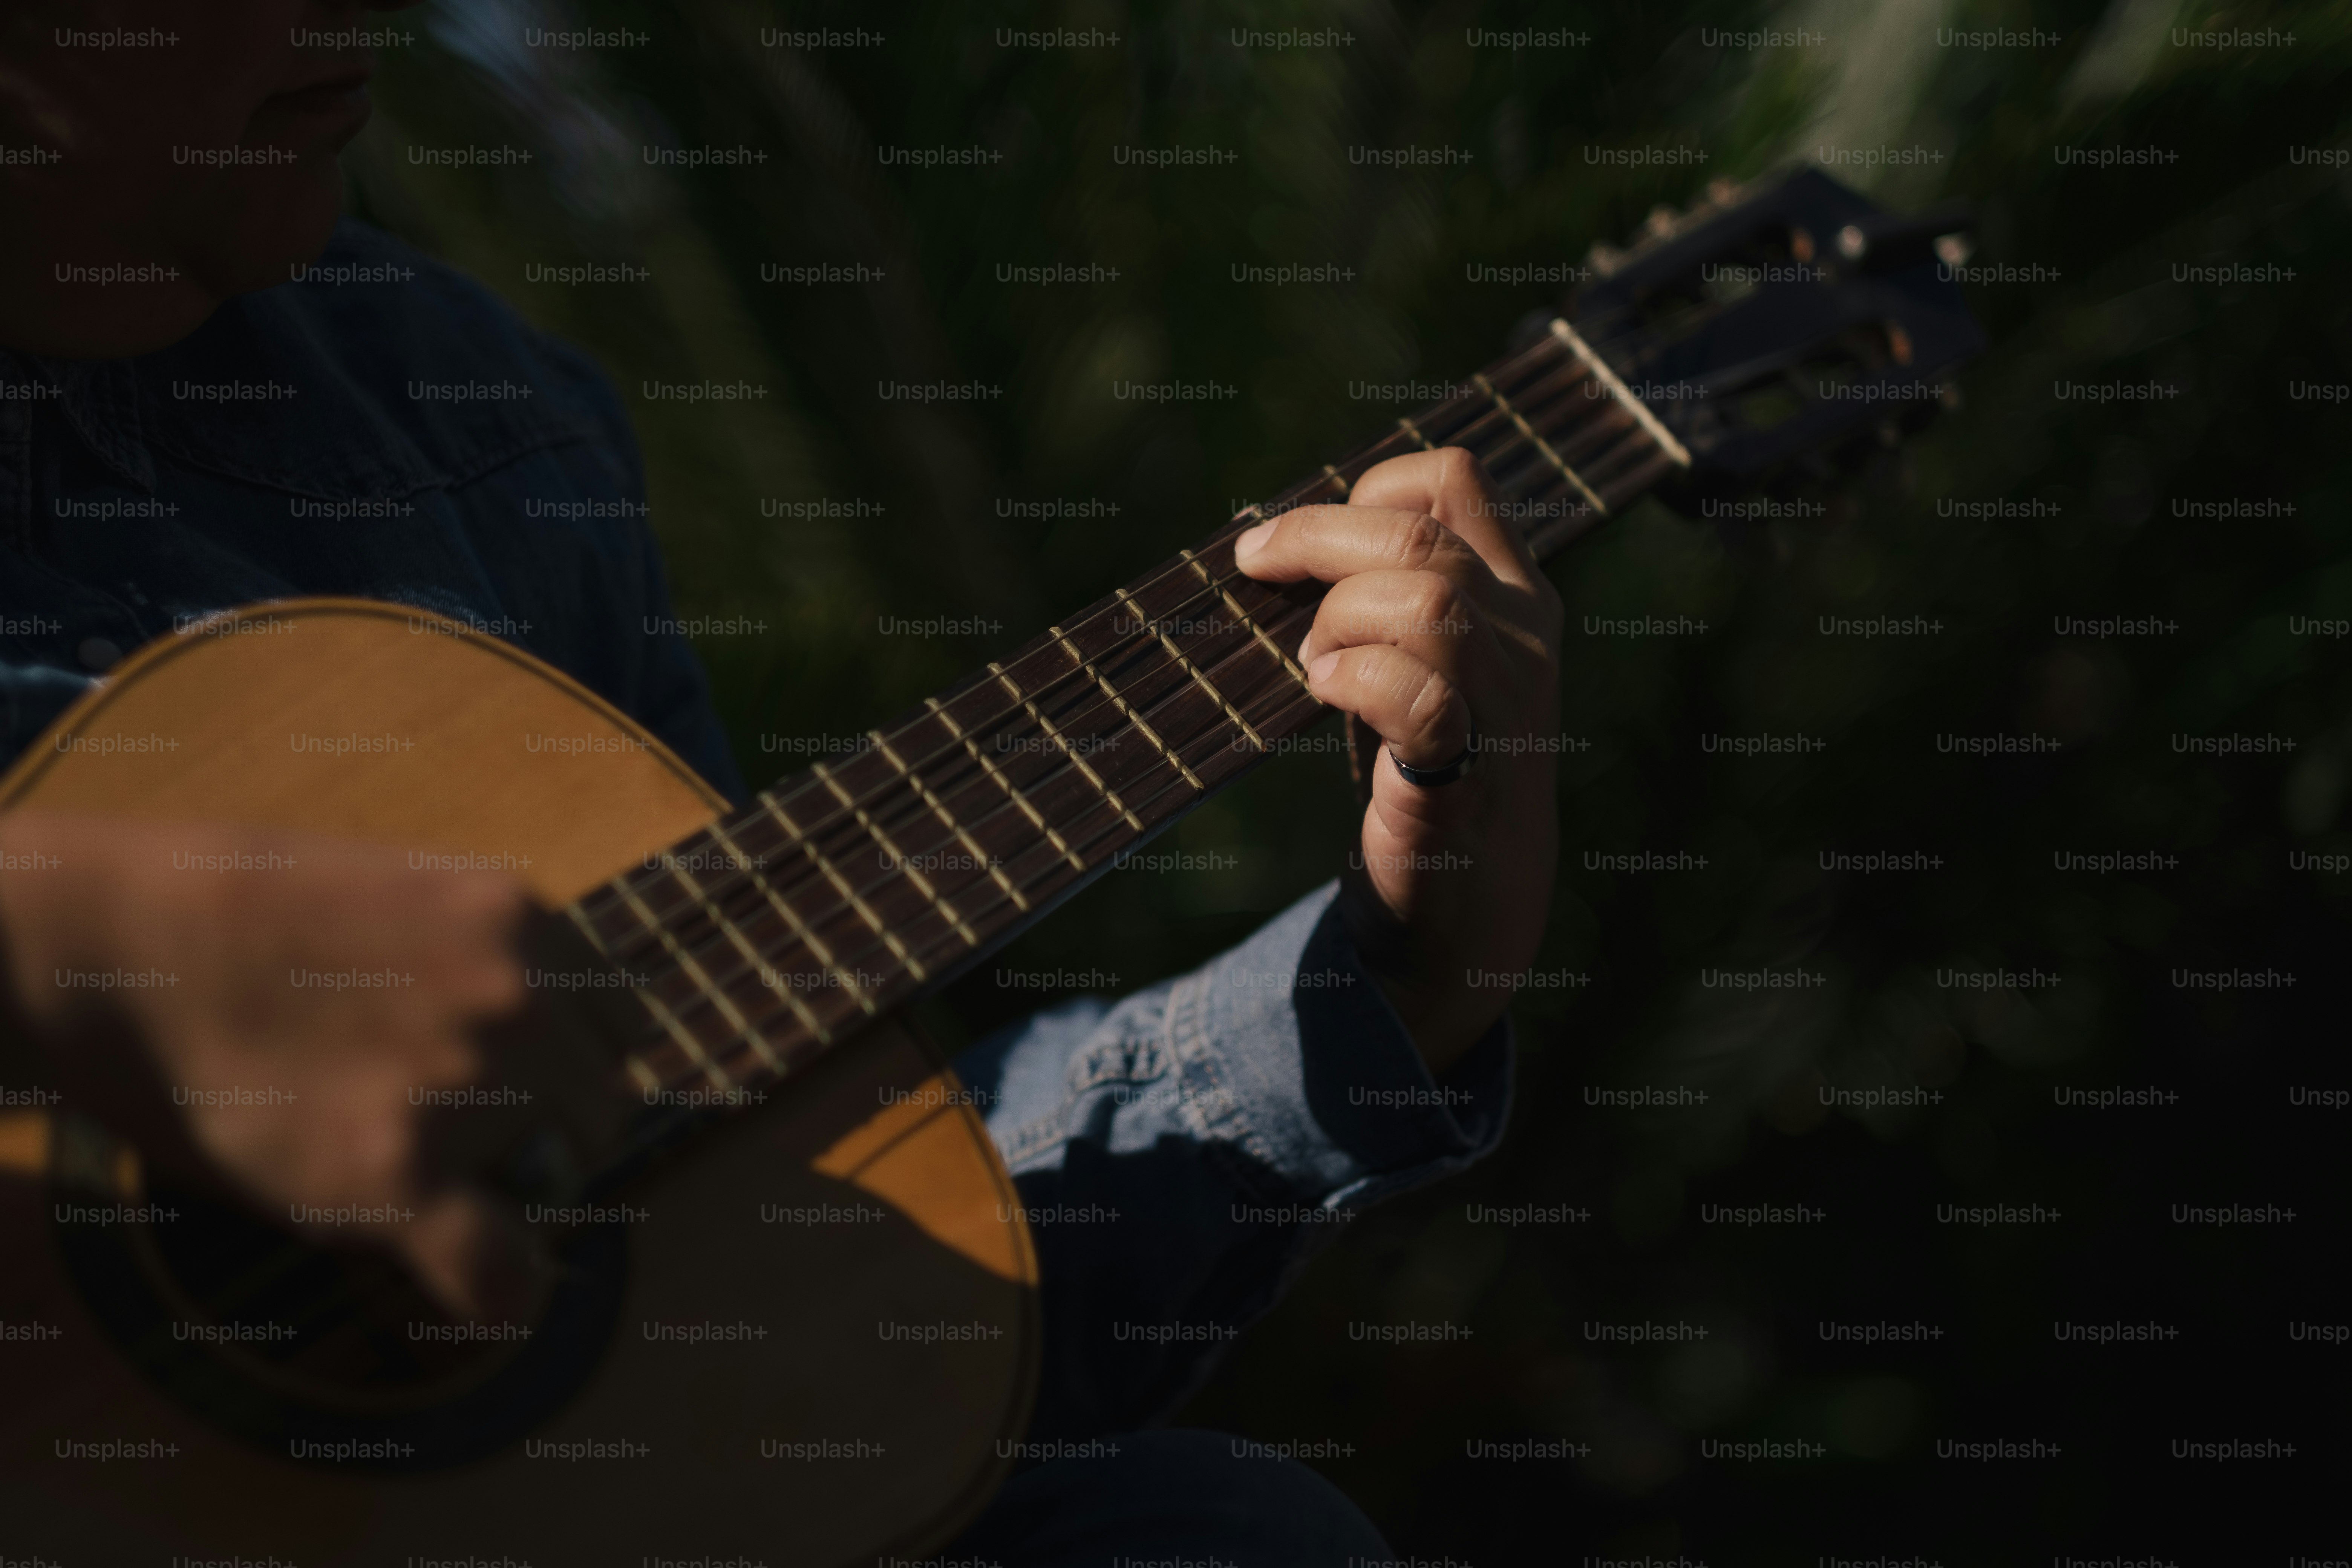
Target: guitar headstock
[{"x": 1773, "y": 326}]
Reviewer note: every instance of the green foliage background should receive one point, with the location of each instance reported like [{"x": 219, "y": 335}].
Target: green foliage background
[{"x": 2109, "y": 309}]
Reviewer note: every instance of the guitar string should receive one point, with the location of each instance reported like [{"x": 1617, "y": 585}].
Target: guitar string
[
  {"x": 892, "y": 788},
  {"x": 1176, "y": 748},
  {"x": 896, "y": 791},
  {"x": 720, "y": 941},
  {"x": 719, "y": 938},
  {"x": 1475, "y": 405},
  {"x": 601, "y": 901},
  {"x": 1084, "y": 724},
  {"x": 777, "y": 1009},
  {"x": 763, "y": 916},
  {"x": 1108, "y": 828},
  {"x": 780, "y": 1008},
  {"x": 1210, "y": 726}
]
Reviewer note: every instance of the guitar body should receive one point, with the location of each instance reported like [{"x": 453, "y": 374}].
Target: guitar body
[{"x": 807, "y": 1337}]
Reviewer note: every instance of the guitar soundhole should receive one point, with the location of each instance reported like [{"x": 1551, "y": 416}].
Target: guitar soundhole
[
  {"x": 331, "y": 1355},
  {"x": 351, "y": 1326}
]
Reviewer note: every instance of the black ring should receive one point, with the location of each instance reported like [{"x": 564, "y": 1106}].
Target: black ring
[{"x": 1437, "y": 778}]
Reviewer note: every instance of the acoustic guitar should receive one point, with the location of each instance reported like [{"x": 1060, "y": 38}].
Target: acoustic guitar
[{"x": 796, "y": 1321}]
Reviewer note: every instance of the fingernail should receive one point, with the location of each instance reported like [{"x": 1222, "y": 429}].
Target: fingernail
[
  {"x": 1251, "y": 540},
  {"x": 1321, "y": 670}
]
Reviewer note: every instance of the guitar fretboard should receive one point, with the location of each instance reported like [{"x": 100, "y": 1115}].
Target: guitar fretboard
[{"x": 843, "y": 890}]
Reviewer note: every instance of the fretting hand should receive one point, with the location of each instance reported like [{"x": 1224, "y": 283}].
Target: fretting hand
[{"x": 1437, "y": 618}]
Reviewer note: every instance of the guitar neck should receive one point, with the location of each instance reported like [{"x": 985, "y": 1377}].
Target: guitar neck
[{"x": 846, "y": 889}]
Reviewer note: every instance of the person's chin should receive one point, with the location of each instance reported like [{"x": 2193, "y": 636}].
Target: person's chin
[
  {"x": 275, "y": 229},
  {"x": 249, "y": 230},
  {"x": 265, "y": 223}
]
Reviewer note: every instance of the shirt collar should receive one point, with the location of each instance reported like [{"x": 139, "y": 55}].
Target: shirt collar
[{"x": 98, "y": 400}]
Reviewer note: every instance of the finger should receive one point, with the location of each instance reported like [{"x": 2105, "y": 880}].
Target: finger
[
  {"x": 474, "y": 1256},
  {"x": 1423, "y": 612},
  {"x": 1328, "y": 542},
  {"x": 1417, "y": 710},
  {"x": 449, "y": 948},
  {"x": 485, "y": 917},
  {"x": 1450, "y": 486}
]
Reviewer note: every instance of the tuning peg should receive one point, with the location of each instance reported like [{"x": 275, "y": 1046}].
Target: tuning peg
[{"x": 1888, "y": 242}]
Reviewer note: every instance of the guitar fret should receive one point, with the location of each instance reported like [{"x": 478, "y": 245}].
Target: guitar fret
[
  {"x": 800, "y": 928},
  {"x": 1062, "y": 793},
  {"x": 989, "y": 800},
  {"x": 1489, "y": 435},
  {"x": 1514, "y": 410},
  {"x": 1186, "y": 690},
  {"x": 1282, "y": 722},
  {"x": 1616, "y": 458},
  {"x": 724, "y": 1002},
  {"x": 1102, "y": 822},
  {"x": 807, "y": 1015},
  {"x": 1537, "y": 442},
  {"x": 1014, "y": 795},
  {"x": 1647, "y": 473},
  {"x": 841, "y": 885},
  {"x": 1147, "y": 689},
  {"x": 1131, "y": 716},
  {"x": 1536, "y": 473},
  {"x": 1017, "y": 792},
  {"x": 1281, "y": 696},
  {"x": 1190, "y": 669},
  {"x": 648, "y": 1080},
  {"x": 1305, "y": 492},
  {"x": 1568, "y": 392},
  {"x": 1648, "y": 421},
  {"x": 634, "y": 939},
  {"x": 1215, "y": 755},
  {"x": 1201, "y": 701},
  {"x": 1479, "y": 416},
  {"x": 906, "y": 862},
  {"x": 668, "y": 1019},
  {"x": 1472, "y": 409},
  {"x": 1062, "y": 741},
  {"x": 1414, "y": 430},
  {"x": 675, "y": 1031},
  {"x": 1237, "y": 669},
  {"x": 980, "y": 855},
  {"x": 1597, "y": 432},
  {"x": 1097, "y": 829},
  {"x": 1216, "y": 585}
]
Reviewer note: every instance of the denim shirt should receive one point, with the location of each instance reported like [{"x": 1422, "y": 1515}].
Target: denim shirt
[{"x": 388, "y": 429}]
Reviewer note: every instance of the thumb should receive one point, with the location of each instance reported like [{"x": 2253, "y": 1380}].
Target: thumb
[{"x": 475, "y": 1257}]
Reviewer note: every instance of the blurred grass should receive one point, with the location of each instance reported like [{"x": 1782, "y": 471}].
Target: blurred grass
[{"x": 942, "y": 544}]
